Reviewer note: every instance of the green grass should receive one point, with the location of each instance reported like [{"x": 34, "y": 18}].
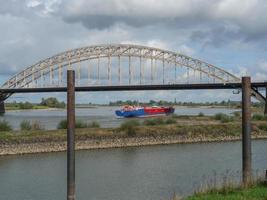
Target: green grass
[
  {"x": 170, "y": 121},
  {"x": 255, "y": 192},
  {"x": 25, "y": 125},
  {"x": 5, "y": 126},
  {"x": 201, "y": 114},
  {"x": 259, "y": 117},
  {"x": 62, "y": 124},
  {"x": 93, "y": 124},
  {"x": 130, "y": 127},
  {"x": 223, "y": 118},
  {"x": 160, "y": 121},
  {"x": 263, "y": 127},
  {"x": 154, "y": 121},
  {"x": 78, "y": 124}
]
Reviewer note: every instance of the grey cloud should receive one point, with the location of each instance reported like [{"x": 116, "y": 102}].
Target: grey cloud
[
  {"x": 105, "y": 21},
  {"x": 215, "y": 35},
  {"x": 190, "y": 15}
]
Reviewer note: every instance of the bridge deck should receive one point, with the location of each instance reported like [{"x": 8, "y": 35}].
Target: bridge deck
[{"x": 135, "y": 87}]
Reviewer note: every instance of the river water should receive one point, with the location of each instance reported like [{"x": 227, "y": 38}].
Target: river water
[
  {"x": 104, "y": 115},
  {"x": 143, "y": 173}
]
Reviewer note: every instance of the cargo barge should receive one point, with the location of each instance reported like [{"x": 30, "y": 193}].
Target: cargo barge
[{"x": 139, "y": 111}]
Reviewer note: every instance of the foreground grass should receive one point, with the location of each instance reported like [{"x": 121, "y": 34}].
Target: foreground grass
[{"x": 255, "y": 192}]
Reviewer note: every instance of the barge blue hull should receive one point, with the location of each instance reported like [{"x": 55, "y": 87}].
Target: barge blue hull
[
  {"x": 140, "y": 113},
  {"x": 132, "y": 113}
]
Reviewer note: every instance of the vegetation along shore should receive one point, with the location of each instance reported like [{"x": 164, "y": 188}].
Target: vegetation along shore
[{"x": 169, "y": 130}]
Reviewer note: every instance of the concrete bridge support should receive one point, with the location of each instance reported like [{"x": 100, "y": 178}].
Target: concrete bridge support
[{"x": 2, "y": 107}]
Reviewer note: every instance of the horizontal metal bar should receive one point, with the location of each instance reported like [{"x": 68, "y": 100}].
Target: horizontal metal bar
[
  {"x": 135, "y": 87},
  {"x": 127, "y": 88}
]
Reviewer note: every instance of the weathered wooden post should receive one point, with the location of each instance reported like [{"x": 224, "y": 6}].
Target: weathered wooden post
[
  {"x": 70, "y": 135},
  {"x": 265, "y": 106},
  {"x": 246, "y": 130},
  {"x": 2, "y": 107}
]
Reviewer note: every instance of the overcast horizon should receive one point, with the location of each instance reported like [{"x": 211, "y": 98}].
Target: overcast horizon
[{"x": 231, "y": 34}]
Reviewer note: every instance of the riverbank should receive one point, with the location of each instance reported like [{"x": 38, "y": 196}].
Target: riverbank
[
  {"x": 37, "y": 108},
  {"x": 256, "y": 191},
  {"x": 95, "y": 138}
]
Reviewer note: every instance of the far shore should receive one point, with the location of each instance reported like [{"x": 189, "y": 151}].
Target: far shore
[
  {"x": 43, "y": 109},
  {"x": 9, "y": 109}
]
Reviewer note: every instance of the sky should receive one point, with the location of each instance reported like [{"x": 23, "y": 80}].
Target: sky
[{"x": 231, "y": 34}]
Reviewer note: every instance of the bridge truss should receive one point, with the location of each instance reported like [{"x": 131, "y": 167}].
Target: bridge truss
[{"x": 119, "y": 64}]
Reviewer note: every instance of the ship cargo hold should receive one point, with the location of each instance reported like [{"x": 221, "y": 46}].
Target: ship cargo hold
[{"x": 138, "y": 111}]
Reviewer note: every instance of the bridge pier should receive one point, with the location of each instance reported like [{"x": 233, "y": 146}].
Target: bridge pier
[{"x": 2, "y": 107}]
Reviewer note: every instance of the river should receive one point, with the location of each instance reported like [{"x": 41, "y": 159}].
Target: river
[
  {"x": 104, "y": 115},
  {"x": 143, "y": 173}
]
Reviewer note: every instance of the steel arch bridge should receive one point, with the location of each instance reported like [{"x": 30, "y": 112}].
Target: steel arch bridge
[{"x": 119, "y": 64}]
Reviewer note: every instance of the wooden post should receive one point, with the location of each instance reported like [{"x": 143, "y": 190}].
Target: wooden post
[
  {"x": 70, "y": 135},
  {"x": 265, "y": 106},
  {"x": 246, "y": 130},
  {"x": 2, "y": 107}
]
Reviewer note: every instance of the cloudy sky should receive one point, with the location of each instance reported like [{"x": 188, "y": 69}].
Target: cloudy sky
[{"x": 231, "y": 34}]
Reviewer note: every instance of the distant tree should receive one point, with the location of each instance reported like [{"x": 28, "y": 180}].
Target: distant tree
[
  {"x": 52, "y": 103},
  {"x": 26, "y": 105}
]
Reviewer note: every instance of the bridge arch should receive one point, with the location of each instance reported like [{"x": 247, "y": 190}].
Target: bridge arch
[{"x": 69, "y": 59}]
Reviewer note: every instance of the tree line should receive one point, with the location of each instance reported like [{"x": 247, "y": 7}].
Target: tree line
[{"x": 50, "y": 102}]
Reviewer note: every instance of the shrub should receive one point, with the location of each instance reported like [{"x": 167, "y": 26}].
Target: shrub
[
  {"x": 263, "y": 127},
  {"x": 5, "y": 126},
  {"x": 219, "y": 116},
  {"x": 52, "y": 103},
  {"x": 36, "y": 125},
  {"x": 175, "y": 116},
  {"x": 25, "y": 125},
  {"x": 26, "y": 105},
  {"x": 226, "y": 119},
  {"x": 223, "y": 117},
  {"x": 62, "y": 124},
  {"x": 237, "y": 114},
  {"x": 130, "y": 127},
  {"x": 258, "y": 117},
  {"x": 201, "y": 114},
  {"x": 155, "y": 121},
  {"x": 80, "y": 124},
  {"x": 170, "y": 121},
  {"x": 93, "y": 124}
]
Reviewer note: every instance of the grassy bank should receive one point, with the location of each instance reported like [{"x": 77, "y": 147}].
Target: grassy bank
[
  {"x": 219, "y": 126},
  {"x": 167, "y": 130},
  {"x": 257, "y": 191},
  {"x": 221, "y": 131}
]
